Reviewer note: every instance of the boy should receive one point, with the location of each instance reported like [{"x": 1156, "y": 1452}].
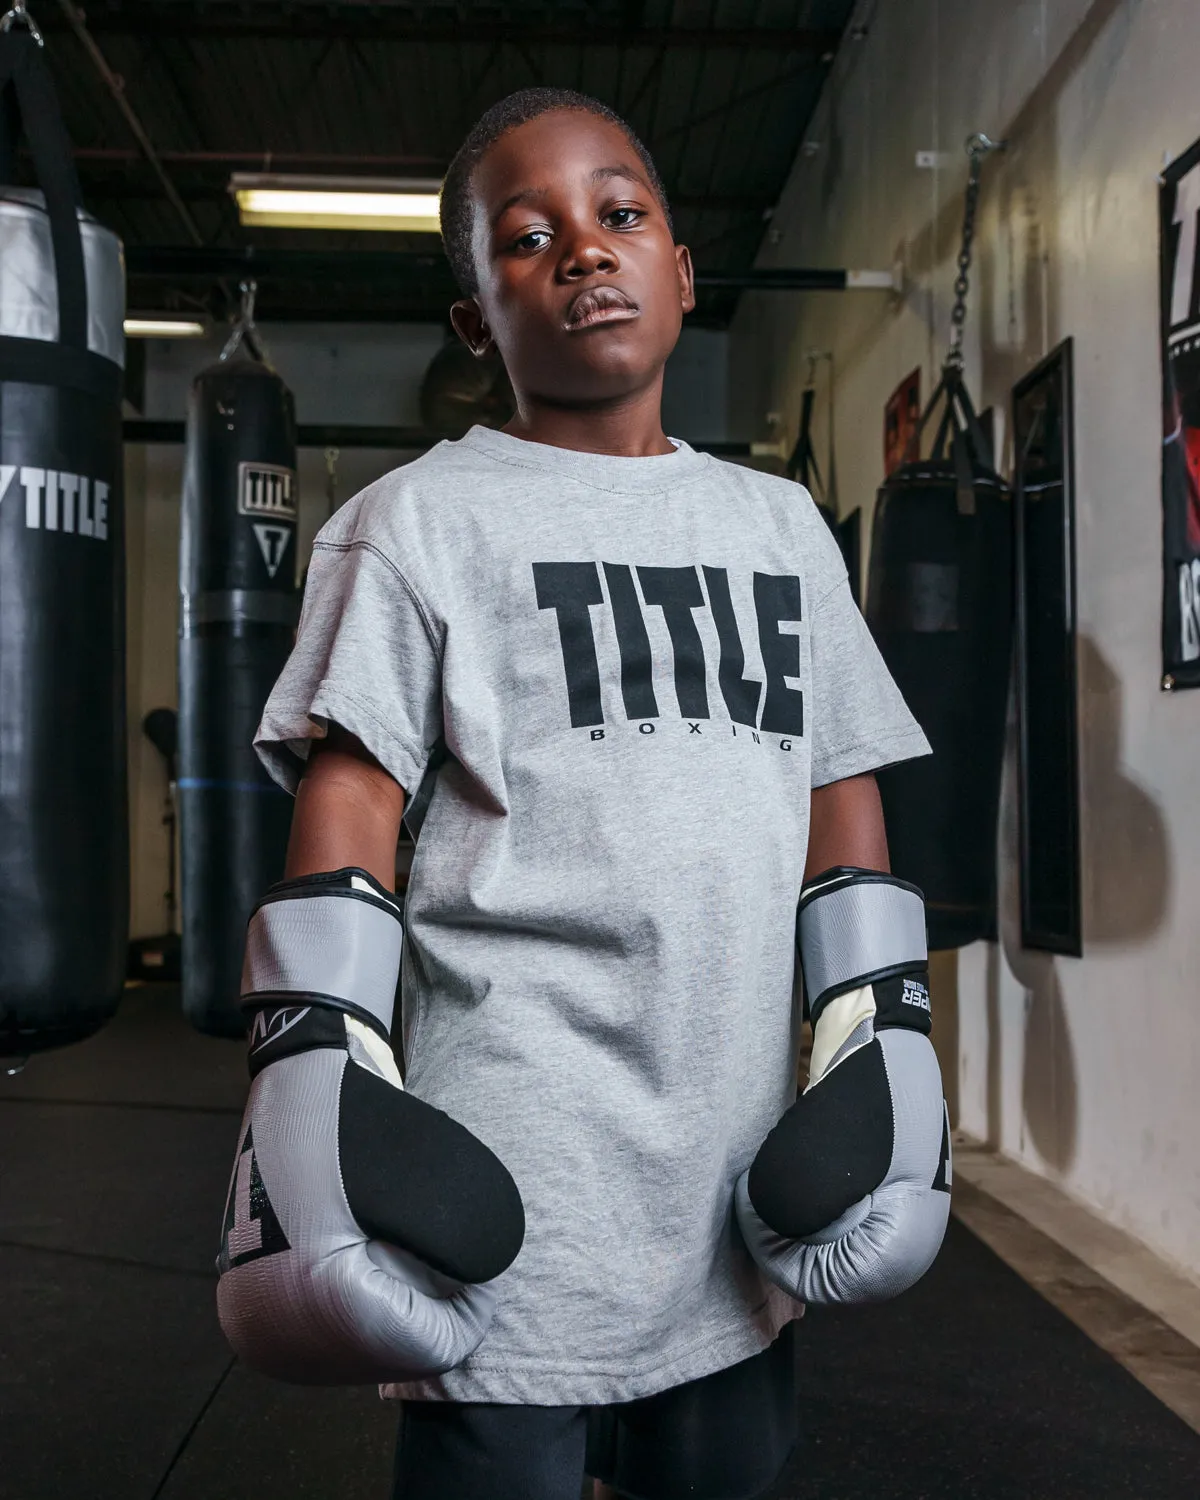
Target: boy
[{"x": 622, "y": 696}]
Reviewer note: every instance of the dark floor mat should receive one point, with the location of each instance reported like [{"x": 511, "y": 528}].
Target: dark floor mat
[
  {"x": 130, "y": 1184},
  {"x": 260, "y": 1440},
  {"x": 102, "y": 1370},
  {"x": 971, "y": 1385}
]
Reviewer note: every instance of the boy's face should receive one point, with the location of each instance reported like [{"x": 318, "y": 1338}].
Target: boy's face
[{"x": 580, "y": 284}]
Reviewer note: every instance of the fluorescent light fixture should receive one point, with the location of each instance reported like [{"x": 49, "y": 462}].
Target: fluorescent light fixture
[
  {"x": 164, "y": 328},
  {"x": 337, "y": 202}
]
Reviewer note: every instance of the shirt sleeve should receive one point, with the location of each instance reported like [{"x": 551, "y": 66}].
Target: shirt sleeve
[
  {"x": 860, "y": 721},
  {"x": 367, "y": 657}
]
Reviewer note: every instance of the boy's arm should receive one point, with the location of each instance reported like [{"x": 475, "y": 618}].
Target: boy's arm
[
  {"x": 846, "y": 827},
  {"x": 362, "y": 1225},
  {"x": 347, "y": 812}
]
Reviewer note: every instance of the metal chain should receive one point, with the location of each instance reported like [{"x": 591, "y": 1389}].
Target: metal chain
[
  {"x": 244, "y": 329},
  {"x": 977, "y": 148},
  {"x": 18, "y": 15}
]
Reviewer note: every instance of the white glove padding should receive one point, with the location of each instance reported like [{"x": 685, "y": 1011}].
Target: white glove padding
[
  {"x": 362, "y": 1224},
  {"x": 849, "y": 1196}
]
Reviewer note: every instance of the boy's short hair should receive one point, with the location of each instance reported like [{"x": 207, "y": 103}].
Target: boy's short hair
[{"x": 516, "y": 109}]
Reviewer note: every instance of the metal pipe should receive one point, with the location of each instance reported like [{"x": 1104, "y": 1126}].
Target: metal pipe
[{"x": 388, "y": 265}]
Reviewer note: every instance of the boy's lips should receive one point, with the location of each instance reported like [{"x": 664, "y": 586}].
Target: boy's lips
[{"x": 600, "y": 304}]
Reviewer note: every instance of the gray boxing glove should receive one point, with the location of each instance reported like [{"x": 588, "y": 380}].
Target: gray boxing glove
[
  {"x": 848, "y": 1197},
  {"x": 362, "y": 1225}
]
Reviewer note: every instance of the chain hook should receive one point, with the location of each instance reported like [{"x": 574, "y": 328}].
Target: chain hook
[
  {"x": 17, "y": 15},
  {"x": 977, "y": 147},
  {"x": 980, "y": 144}
]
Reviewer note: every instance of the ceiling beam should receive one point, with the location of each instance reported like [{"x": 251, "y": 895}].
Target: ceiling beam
[
  {"x": 391, "y": 266},
  {"x": 182, "y": 261},
  {"x": 289, "y": 20}
]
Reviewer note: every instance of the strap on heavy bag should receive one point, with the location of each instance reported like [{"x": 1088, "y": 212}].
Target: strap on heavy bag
[
  {"x": 960, "y": 432},
  {"x": 29, "y": 97}
]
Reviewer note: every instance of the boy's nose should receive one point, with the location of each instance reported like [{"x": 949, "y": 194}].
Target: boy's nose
[{"x": 585, "y": 256}]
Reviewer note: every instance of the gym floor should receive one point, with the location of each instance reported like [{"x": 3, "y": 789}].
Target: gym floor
[{"x": 115, "y": 1383}]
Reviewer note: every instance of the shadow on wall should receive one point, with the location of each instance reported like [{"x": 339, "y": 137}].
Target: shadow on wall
[
  {"x": 1126, "y": 879},
  {"x": 1049, "y": 1089}
]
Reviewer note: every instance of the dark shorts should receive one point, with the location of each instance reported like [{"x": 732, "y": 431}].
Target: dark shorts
[{"x": 723, "y": 1437}]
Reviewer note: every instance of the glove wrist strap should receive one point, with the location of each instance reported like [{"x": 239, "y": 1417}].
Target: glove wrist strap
[
  {"x": 858, "y": 928},
  {"x": 331, "y": 941}
]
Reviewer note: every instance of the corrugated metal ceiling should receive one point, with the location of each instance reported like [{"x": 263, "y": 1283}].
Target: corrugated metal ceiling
[{"x": 720, "y": 90}]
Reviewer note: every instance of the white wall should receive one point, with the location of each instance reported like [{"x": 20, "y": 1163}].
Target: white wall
[
  {"x": 349, "y": 373},
  {"x": 1084, "y": 1070}
]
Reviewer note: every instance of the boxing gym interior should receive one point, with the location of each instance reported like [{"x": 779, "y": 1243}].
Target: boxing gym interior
[{"x": 947, "y": 281}]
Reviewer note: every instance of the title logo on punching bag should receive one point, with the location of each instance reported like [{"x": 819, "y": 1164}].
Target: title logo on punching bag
[
  {"x": 58, "y": 501},
  {"x": 267, "y": 491},
  {"x": 267, "y": 494}
]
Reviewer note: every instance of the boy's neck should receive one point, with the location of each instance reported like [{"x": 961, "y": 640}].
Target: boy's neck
[{"x": 627, "y": 427}]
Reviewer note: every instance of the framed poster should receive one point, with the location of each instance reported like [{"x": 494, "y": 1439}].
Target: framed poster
[
  {"x": 1179, "y": 302},
  {"x": 901, "y": 415},
  {"x": 1047, "y": 747}
]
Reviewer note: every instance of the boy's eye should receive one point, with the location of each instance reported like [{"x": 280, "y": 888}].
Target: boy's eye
[
  {"x": 532, "y": 239},
  {"x": 623, "y": 217}
]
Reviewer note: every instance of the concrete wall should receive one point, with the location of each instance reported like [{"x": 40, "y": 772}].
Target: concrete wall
[
  {"x": 1085, "y": 1070},
  {"x": 360, "y": 375}
]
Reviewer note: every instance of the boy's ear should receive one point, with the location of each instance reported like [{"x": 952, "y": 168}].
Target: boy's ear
[
  {"x": 687, "y": 286},
  {"x": 466, "y": 318}
]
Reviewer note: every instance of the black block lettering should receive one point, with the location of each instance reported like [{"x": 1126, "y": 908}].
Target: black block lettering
[
  {"x": 637, "y": 687},
  {"x": 741, "y": 695},
  {"x": 570, "y": 589},
  {"x": 68, "y": 485},
  {"x": 677, "y": 592},
  {"x": 776, "y": 601}
]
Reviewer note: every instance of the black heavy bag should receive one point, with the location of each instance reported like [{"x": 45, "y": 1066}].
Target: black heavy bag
[
  {"x": 64, "y": 842},
  {"x": 940, "y": 608},
  {"x": 238, "y": 613}
]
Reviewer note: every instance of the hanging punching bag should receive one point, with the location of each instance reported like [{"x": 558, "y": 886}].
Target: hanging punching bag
[
  {"x": 939, "y": 604},
  {"x": 239, "y": 608},
  {"x": 64, "y": 843}
]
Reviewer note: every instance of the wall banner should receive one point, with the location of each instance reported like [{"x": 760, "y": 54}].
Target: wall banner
[{"x": 1179, "y": 274}]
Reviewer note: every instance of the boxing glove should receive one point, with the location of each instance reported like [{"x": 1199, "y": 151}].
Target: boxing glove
[
  {"x": 848, "y": 1197},
  {"x": 362, "y": 1226}
]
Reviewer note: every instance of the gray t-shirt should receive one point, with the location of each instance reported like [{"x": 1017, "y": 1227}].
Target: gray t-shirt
[{"x": 609, "y": 685}]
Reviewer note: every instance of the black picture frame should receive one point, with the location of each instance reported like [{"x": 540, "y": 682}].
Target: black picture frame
[{"x": 1043, "y": 420}]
